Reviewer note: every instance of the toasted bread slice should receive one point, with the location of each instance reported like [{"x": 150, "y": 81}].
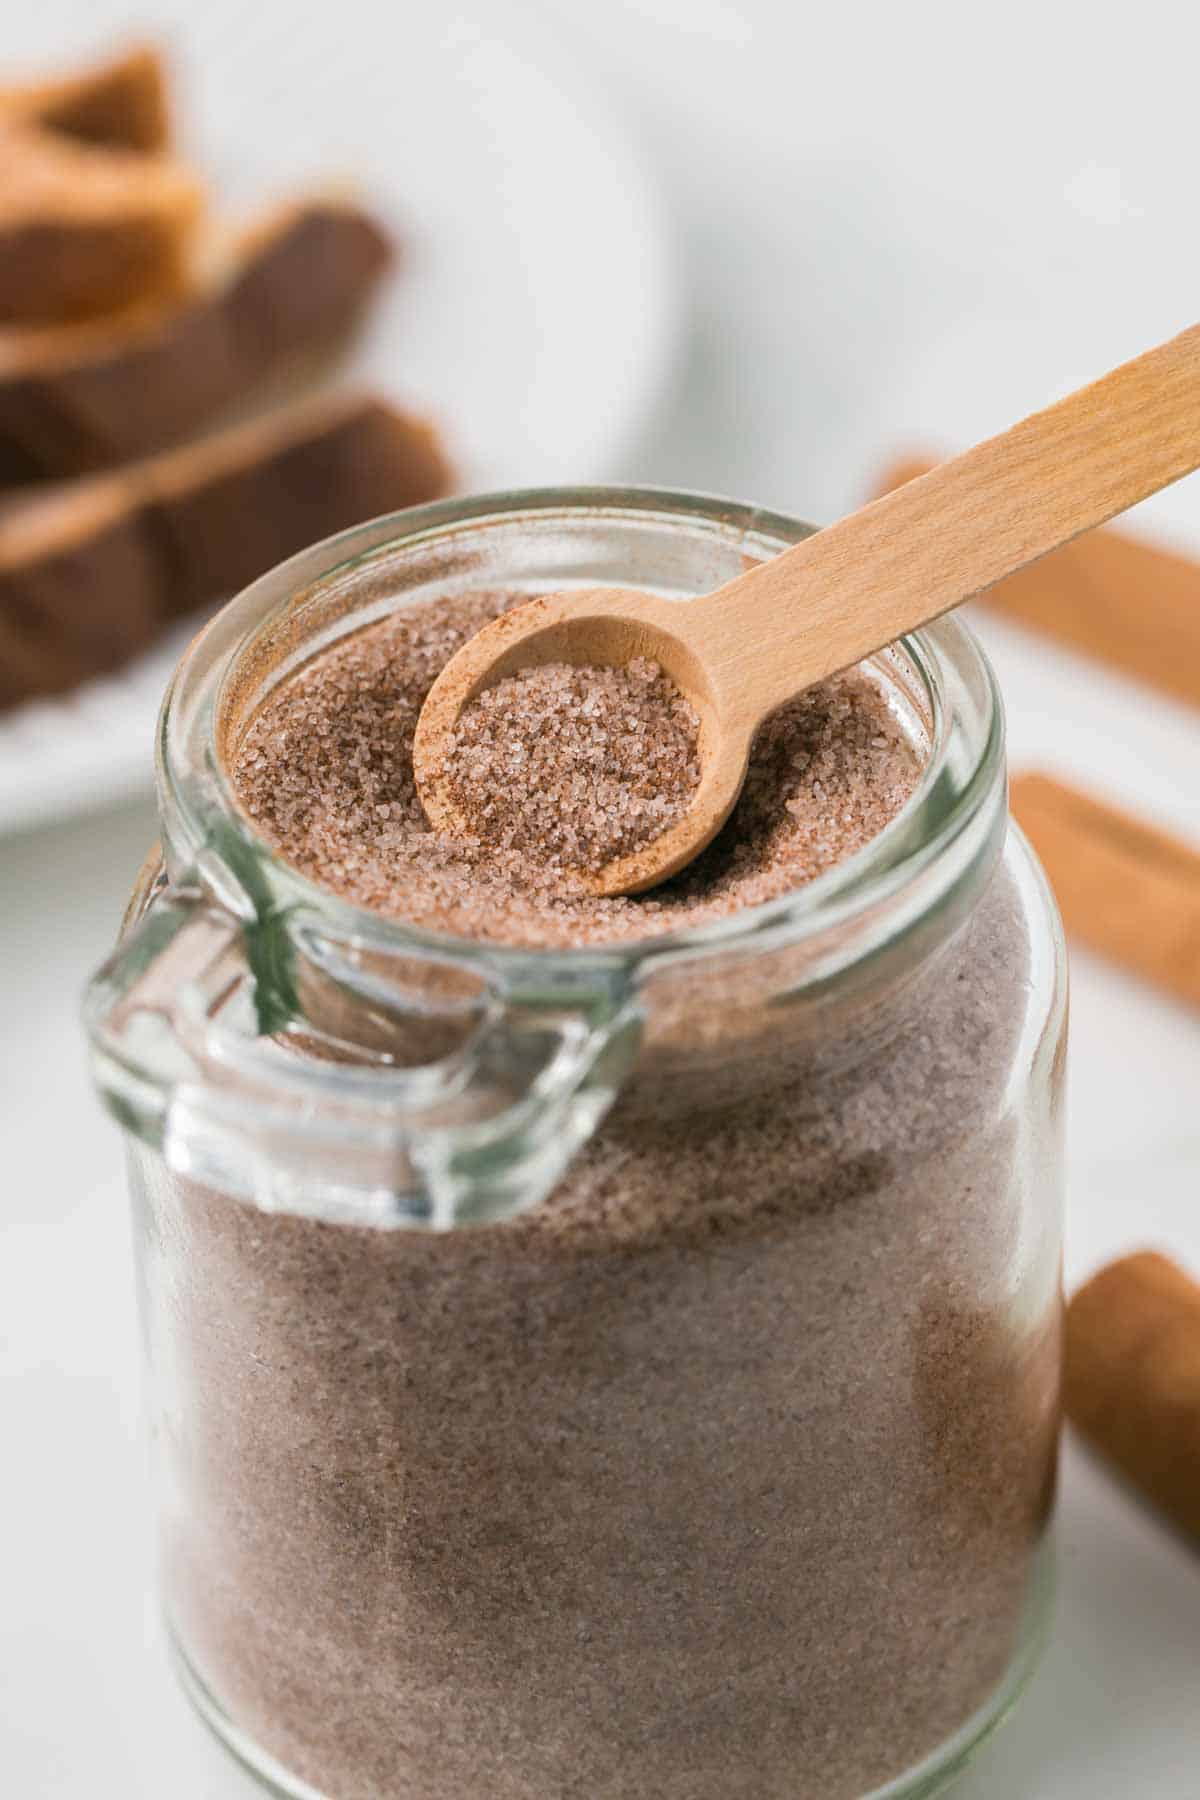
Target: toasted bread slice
[
  {"x": 85, "y": 229},
  {"x": 121, "y": 101},
  {"x": 56, "y": 621},
  {"x": 77, "y": 398},
  {"x": 90, "y": 572}
]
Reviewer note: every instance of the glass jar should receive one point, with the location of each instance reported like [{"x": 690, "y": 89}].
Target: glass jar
[{"x": 617, "y": 1372}]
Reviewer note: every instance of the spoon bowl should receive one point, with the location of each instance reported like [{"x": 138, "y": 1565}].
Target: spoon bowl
[{"x": 592, "y": 627}]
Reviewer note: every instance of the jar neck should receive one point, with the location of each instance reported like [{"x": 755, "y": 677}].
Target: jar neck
[
  {"x": 546, "y": 541},
  {"x": 477, "y": 1068}
]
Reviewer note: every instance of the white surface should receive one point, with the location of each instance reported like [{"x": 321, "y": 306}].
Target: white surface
[
  {"x": 534, "y": 313},
  {"x": 859, "y": 191}
]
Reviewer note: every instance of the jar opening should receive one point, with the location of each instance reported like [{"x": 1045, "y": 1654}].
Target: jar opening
[{"x": 539, "y": 542}]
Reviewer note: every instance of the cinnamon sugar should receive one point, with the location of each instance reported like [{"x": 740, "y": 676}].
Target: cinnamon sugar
[
  {"x": 325, "y": 771},
  {"x": 575, "y": 766},
  {"x": 718, "y": 1475}
]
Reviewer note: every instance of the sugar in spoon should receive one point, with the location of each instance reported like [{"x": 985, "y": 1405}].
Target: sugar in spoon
[{"x": 743, "y": 651}]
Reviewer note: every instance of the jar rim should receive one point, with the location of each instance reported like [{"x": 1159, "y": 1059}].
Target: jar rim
[{"x": 960, "y": 784}]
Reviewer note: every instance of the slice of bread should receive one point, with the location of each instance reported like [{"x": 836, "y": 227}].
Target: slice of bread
[
  {"x": 77, "y": 398},
  {"x": 121, "y": 101},
  {"x": 86, "y": 229},
  {"x": 90, "y": 573},
  {"x": 77, "y": 589}
]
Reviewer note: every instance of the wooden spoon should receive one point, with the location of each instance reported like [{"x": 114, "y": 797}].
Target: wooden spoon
[{"x": 760, "y": 640}]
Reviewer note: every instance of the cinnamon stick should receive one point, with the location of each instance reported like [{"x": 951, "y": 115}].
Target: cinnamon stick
[
  {"x": 1132, "y": 1378},
  {"x": 1125, "y": 888},
  {"x": 1124, "y": 602}
]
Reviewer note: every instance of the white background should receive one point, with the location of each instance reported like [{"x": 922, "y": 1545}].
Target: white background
[{"x": 890, "y": 220}]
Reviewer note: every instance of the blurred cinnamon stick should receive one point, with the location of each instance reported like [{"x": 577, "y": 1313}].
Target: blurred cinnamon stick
[
  {"x": 1132, "y": 1378},
  {"x": 1126, "y": 889},
  {"x": 1112, "y": 596}
]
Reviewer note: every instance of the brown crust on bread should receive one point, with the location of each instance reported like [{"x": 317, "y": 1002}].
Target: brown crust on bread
[
  {"x": 91, "y": 573},
  {"x": 77, "y": 398},
  {"x": 121, "y": 101},
  {"x": 85, "y": 229},
  {"x": 84, "y": 602}
]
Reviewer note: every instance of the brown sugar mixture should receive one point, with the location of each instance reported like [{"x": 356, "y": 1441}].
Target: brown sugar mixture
[
  {"x": 575, "y": 766},
  {"x": 560, "y": 769},
  {"x": 720, "y": 1473}
]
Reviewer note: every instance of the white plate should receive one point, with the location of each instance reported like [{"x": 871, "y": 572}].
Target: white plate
[{"x": 534, "y": 315}]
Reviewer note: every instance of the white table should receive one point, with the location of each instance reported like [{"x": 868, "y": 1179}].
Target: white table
[{"x": 838, "y": 226}]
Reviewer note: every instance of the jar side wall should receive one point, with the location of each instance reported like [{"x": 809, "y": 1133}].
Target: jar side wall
[{"x": 571, "y": 1500}]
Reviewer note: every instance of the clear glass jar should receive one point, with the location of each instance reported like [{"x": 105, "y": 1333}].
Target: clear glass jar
[{"x": 613, "y": 1372}]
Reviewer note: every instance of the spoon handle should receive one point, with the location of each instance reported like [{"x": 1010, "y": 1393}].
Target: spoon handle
[{"x": 954, "y": 532}]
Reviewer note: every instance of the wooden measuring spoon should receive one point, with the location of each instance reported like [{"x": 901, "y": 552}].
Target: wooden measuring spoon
[{"x": 760, "y": 640}]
